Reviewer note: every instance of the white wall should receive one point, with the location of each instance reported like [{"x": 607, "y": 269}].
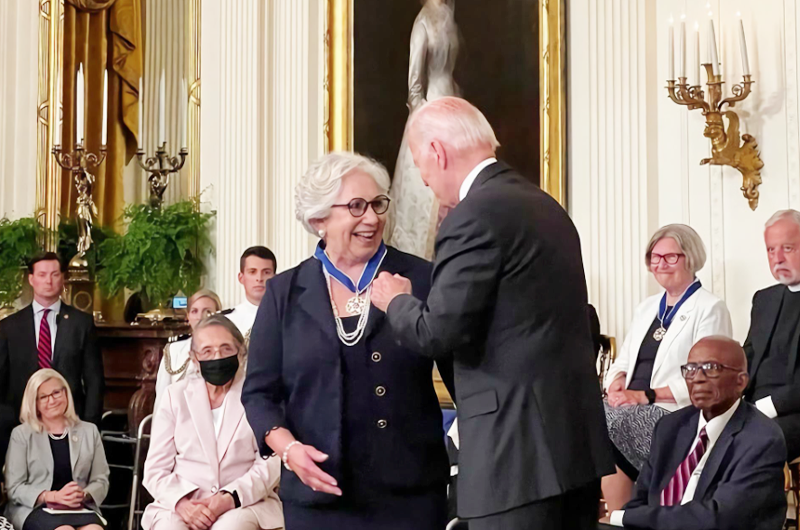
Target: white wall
[
  {"x": 261, "y": 125},
  {"x": 638, "y": 177},
  {"x": 19, "y": 76}
]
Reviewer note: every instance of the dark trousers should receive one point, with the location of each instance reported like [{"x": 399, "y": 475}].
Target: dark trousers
[
  {"x": 790, "y": 425},
  {"x": 574, "y": 510}
]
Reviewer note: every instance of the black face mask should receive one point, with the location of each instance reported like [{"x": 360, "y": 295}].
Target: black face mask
[{"x": 219, "y": 371}]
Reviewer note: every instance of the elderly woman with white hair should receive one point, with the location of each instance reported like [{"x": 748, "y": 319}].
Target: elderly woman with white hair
[
  {"x": 330, "y": 388},
  {"x": 203, "y": 468},
  {"x": 56, "y": 469},
  {"x": 645, "y": 382}
]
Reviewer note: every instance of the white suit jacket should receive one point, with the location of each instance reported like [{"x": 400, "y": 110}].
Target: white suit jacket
[
  {"x": 186, "y": 457},
  {"x": 702, "y": 315}
]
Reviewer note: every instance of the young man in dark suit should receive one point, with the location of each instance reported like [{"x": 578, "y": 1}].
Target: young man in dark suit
[
  {"x": 508, "y": 303},
  {"x": 51, "y": 334},
  {"x": 718, "y": 464},
  {"x": 773, "y": 342}
]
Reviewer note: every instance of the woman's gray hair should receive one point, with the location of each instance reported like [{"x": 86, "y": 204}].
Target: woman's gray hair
[
  {"x": 686, "y": 238},
  {"x": 780, "y": 215},
  {"x": 223, "y": 322},
  {"x": 319, "y": 187}
]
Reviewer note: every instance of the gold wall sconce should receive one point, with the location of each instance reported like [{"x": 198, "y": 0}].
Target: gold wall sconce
[{"x": 728, "y": 146}]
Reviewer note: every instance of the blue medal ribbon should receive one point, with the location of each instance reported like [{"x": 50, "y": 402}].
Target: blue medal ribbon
[
  {"x": 666, "y": 316},
  {"x": 367, "y": 275}
]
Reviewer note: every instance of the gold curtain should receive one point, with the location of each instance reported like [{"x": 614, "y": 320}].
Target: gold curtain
[{"x": 103, "y": 34}]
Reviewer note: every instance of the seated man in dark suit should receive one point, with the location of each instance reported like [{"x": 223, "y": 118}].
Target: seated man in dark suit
[
  {"x": 716, "y": 465},
  {"x": 772, "y": 343},
  {"x": 51, "y": 334}
]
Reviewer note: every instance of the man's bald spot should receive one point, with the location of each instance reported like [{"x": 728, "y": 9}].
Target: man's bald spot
[{"x": 721, "y": 349}]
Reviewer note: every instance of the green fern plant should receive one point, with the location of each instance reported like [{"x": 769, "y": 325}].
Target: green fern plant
[
  {"x": 161, "y": 252},
  {"x": 19, "y": 242}
]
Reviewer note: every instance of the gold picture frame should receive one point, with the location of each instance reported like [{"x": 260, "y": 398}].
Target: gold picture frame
[{"x": 338, "y": 118}]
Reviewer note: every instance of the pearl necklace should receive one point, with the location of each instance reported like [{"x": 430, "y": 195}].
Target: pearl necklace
[
  {"x": 350, "y": 339},
  {"x": 60, "y": 437}
]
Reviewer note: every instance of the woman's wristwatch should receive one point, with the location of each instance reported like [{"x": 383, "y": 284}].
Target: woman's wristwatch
[{"x": 651, "y": 395}]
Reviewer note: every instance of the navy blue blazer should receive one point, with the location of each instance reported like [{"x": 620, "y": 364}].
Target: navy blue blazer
[
  {"x": 741, "y": 486},
  {"x": 294, "y": 380}
]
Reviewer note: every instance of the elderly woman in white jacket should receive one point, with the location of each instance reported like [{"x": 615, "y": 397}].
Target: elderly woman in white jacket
[{"x": 645, "y": 383}]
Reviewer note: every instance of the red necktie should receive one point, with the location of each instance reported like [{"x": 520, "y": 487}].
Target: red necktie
[
  {"x": 45, "y": 345},
  {"x": 673, "y": 493}
]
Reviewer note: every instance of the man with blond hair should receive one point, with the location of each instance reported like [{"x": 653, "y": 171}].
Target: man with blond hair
[{"x": 508, "y": 302}]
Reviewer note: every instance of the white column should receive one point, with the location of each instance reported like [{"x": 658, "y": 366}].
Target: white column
[
  {"x": 261, "y": 125},
  {"x": 612, "y": 150},
  {"x": 19, "y": 74}
]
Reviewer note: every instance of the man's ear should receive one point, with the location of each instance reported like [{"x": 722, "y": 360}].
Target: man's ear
[
  {"x": 440, "y": 153},
  {"x": 743, "y": 379}
]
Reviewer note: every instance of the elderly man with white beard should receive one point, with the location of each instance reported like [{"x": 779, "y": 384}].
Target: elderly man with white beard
[{"x": 772, "y": 342}]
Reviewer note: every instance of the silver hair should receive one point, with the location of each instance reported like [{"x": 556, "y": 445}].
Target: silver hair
[
  {"x": 223, "y": 322},
  {"x": 686, "y": 238},
  {"x": 319, "y": 188},
  {"x": 780, "y": 215},
  {"x": 454, "y": 121}
]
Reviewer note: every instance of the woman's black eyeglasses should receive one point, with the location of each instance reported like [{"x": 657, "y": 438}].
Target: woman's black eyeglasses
[
  {"x": 711, "y": 370},
  {"x": 358, "y": 206}
]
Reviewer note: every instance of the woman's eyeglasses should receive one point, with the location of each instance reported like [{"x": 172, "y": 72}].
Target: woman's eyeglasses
[
  {"x": 671, "y": 259},
  {"x": 226, "y": 350},
  {"x": 711, "y": 370},
  {"x": 358, "y": 206},
  {"x": 56, "y": 394}
]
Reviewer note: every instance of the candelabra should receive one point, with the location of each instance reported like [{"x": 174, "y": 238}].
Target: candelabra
[
  {"x": 728, "y": 147},
  {"x": 81, "y": 164},
  {"x": 160, "y": 166}
]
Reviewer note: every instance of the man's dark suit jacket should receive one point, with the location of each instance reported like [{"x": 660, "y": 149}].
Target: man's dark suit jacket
[
  {"x": 763, "y": 318},
  {"x": 76, "y": 356},
  {"x": 295, "y": 380},
  {"x": 508, "y": 300},
  {"x": 740, "y": 488}
]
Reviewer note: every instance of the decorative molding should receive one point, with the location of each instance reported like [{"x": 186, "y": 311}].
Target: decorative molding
[{"x": 790, "y": 21}]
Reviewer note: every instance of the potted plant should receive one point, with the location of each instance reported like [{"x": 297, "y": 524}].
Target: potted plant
[
  {"x": 160, "y": 254},
  {"x": 19, "y": 242}
]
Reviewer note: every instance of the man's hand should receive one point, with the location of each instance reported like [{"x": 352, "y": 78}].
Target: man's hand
[
  {"x": 385, "y": 287},
  {"x": 219, "y": 503},
  {"x": 196, "y": 515}
]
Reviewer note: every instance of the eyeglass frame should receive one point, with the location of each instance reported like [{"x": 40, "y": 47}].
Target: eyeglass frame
[
  {"x": 705, "y": 373},
  {"x": 664, "y": 257},
  {"x": 61, "y": 392},
  {"x": 367, "y": 204},
  {"x": 215, "y": 349}
]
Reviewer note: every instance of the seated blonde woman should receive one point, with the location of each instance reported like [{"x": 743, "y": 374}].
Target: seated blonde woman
[
  {"x": 54, "y": 460},
  {"x": 203, "y": 468},
  {"x": 645, "y": 382},
  {"x": 175, "y": 363}
]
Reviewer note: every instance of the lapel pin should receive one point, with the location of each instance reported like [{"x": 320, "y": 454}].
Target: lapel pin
[
  {"x": 66, "y": 316},
  {"x": 683, "y": 317},
  {"x": 74, "y": 438}
]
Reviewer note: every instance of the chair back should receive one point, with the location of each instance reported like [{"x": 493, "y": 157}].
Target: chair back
[{"x": 605, "y": 357}]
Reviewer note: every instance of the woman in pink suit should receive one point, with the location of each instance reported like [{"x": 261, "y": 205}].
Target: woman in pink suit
[{"x": 203, "y": 468}]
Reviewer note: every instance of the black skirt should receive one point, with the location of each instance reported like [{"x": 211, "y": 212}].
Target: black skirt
[{"x": 41, "y": 520}]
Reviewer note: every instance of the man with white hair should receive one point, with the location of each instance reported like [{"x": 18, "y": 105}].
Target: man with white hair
[
  {"x": 508, "y": 302},
  {"x": 772, "y": 342}
]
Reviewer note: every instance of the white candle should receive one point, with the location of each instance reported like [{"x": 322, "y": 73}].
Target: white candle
[
  {"x": 55, "y": 112},
  {"x": 79, "y": 105},
  {"x": 162, "y": 108},
  {"x": 141, "y": 113},
  {"x": 682, "y": 44},
  {"x": 697, "y": 53},
  {"x": 712, "y": 47},
  {"x": 184, "y": 100},
  {"x": 671, "y": 48},
  {"x": 105, "y": 107},
  {"x": 743, "y": 46}
]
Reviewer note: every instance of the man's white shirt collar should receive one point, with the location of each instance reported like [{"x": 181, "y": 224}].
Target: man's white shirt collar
[
  {"x": 38, "y": 308},
  {"x": 794, "y": 288},
  {"x": 715, "y": 427},
  {"x": 467, "y": 184}
]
